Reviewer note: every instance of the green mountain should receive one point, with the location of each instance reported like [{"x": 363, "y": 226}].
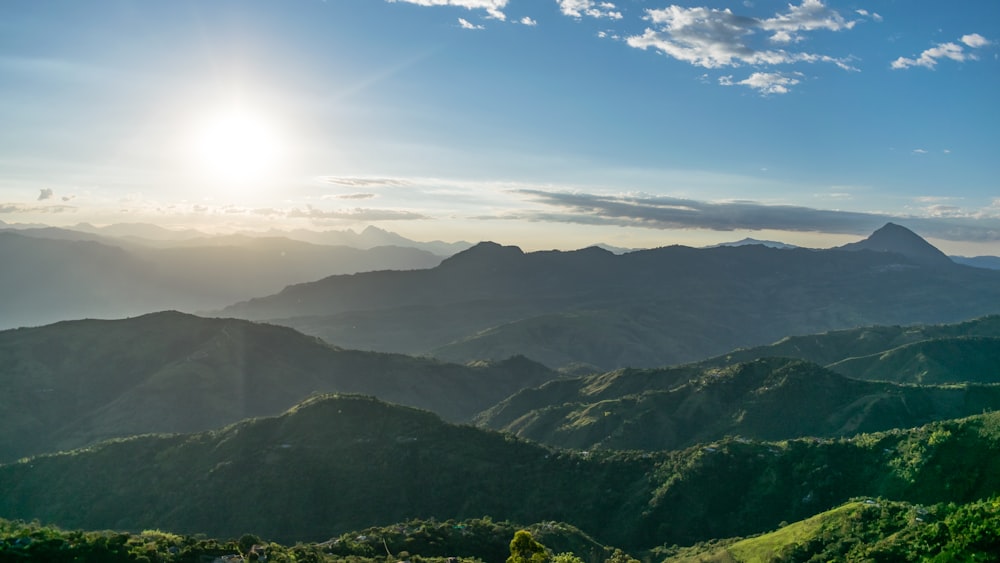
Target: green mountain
[
  {"x": 76, "y": 382},
  {"x": 868, "y": 530},
  {"x": 940, "y": 360},
  {"x": 335, "y": 464},
  {"x": 769, "y": 399},
  {"x": 642, "y": 309},
  {"x": 929, "y": 353}
]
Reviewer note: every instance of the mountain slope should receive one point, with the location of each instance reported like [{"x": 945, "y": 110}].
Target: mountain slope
[
  {"x": 335, "y": 464},
  {"x": 646, "y": 308},
  {"x": 75, "y": 382},
  {"x": 935, "y": 361},
  {"x": 769, "y": 399},
  {"x": 902, "y": 346}
]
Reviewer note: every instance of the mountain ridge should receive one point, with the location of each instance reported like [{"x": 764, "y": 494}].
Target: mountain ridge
[{"x": 646, "y": 308}]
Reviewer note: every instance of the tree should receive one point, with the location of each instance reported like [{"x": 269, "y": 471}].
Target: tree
[
  {"x": 620, "y": 556},
  {"x": 524, "y": 549}
]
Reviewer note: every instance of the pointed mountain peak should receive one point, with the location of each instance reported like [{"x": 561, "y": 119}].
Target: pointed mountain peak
[{"x": 900, "y": 240}]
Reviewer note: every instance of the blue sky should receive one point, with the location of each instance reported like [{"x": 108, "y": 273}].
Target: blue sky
[{"x": 542, "y": 123}]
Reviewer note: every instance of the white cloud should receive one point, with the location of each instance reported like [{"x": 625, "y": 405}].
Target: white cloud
[
  {"x": 873, "y": 15},
  {"x": 975, "y": 40},
  {"x": 590, "y": 8},
  {"x": 919, "y": 151},
  {"x": 527, "y": 21},
  {"x": 493, "y": 7},
  {"x": 764, "y": 82},
  {"x": 930, "y": 57},
  {"x": 808, "y": 16},
  {"x": 467, "y": 25},
  {"x": 713, "y": 38}
]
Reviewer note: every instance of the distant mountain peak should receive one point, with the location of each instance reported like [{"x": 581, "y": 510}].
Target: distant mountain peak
[
  {"x": 900, "y": 240},
  {"x": 752, "y": 241},
  {"x": 486, "y": 253}
]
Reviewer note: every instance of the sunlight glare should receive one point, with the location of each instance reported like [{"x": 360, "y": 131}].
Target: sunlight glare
[{"x": 237, "y": 146}]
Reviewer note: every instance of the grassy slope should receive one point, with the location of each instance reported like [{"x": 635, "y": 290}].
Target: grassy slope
[{"x": 938, "y": 360}]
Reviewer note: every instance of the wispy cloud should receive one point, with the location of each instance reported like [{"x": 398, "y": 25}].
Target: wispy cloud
[
  {"x": 589, "y": 8},
  {"x": 9, "y": 208},
  {"x": 764, "y": 82},
  {"x": 363, "y": 182},
  {"x": 527, "y": 21},
  {"x": 661, "y": 212},
  {"x": 953, "y": 51},
  {"x": 865, "y": 13},
  {"x": 45, "y": 193},
  {"x": 714, "y": 38},
  {"x": 355, "y": 214},
  {"x": 349, "y": 196},
  {"x": 466, "y": 24},
  {"x": 493, "y": 7}
]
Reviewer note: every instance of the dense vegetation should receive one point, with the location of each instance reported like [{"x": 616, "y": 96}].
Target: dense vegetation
[
  {"x": 416, "y": 541},
  {"x": 767, "y": 399},
  {"x": 860, "y": 530},
  {"x": 342, "y": 463}
]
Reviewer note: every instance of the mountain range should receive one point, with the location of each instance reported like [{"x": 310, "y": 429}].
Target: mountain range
[
  {"x": 60, "y": 274},
  {"x": 591, "y": 310}
]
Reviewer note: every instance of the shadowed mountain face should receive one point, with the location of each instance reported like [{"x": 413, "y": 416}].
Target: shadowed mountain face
[
  {"x": 900, "y": 240},
  {"x": 645, "y": 308},
  {"x": 335, "y": 464},
  {"x": 73, "y": 383}
]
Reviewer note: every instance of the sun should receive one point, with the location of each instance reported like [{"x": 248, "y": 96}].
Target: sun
[{"x": 237, "y": 146}]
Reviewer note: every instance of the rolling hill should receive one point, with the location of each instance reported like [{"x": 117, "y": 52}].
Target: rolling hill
[
  {"x": 768, "y": 399},
  {"x": 642, "y": 309},
  {"x": 942, "y": 353},
  {"x": 72, "y": 383}
]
